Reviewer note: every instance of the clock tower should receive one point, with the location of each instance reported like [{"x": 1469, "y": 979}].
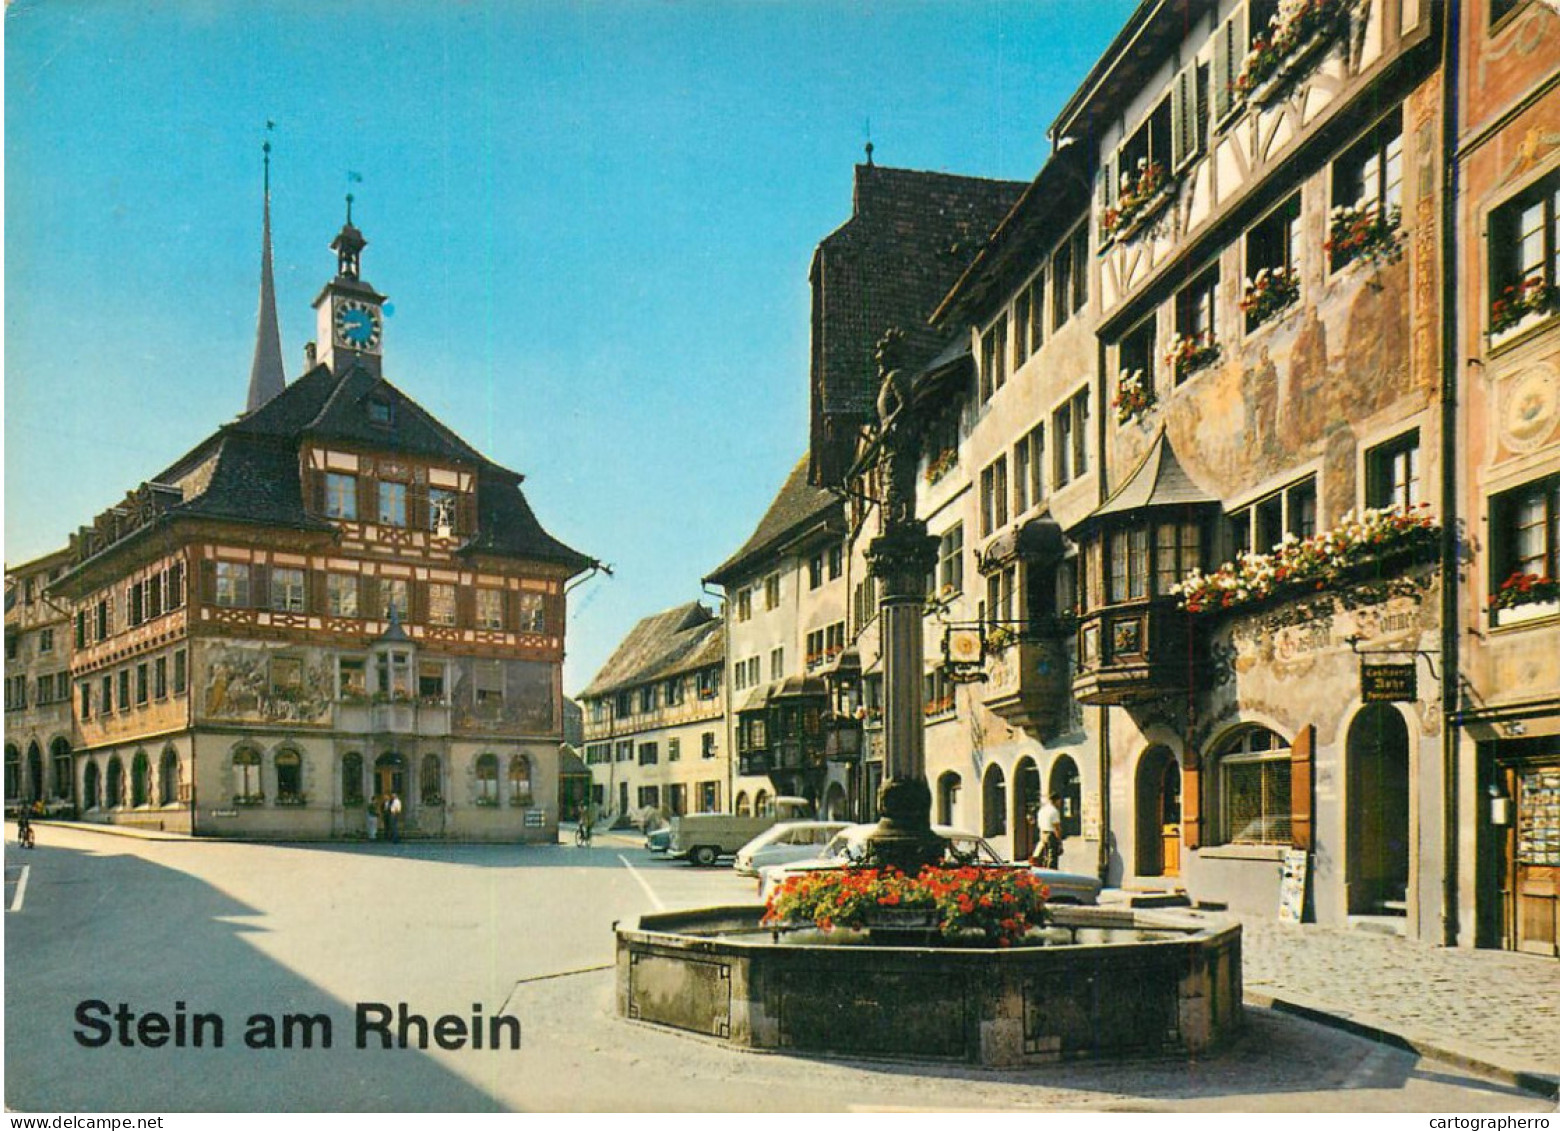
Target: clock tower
[{"x": 349, "y": 314}]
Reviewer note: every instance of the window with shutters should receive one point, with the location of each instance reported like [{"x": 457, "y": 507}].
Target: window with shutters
[
  {"x": 993, "y": 359},
  {"x": 341, "y": 493},
  {"x": 1524, "y": 263},
  {"x": 441, "y": 604},
  {"x": 1070, "y": 276},
  {"x": 287, "y": 586},
  {"x": 1137, "y": 179},
  {"x": 1252, "y": 786},
  {"x": 1272, "y": 281},
  {"x": 233, "y": 584},
  {"x": 1069, "y": 430},
  {"x": 393, "y": 595},
  {"x": 1367, "y": 197},
  {"x": 533, "y": 612},
  {"x": 341, "y": 594},
  {"x": 1196, "y": 344}
]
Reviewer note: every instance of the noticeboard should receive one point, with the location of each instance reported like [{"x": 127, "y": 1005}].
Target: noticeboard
[
  {"x": 1389, "y": 683},
  {"x": 1291, "y": 889}
]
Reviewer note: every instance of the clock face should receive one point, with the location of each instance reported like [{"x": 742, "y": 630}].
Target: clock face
[{"x": 357, "y": 325}]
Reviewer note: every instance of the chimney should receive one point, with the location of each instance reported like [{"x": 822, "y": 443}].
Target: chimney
[{"x": 310, "y": 356}]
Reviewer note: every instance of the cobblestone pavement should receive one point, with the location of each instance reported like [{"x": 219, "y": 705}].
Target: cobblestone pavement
[{"x": 1487, "y": 1007}]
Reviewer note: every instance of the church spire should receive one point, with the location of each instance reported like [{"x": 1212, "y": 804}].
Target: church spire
[{"x": 266, "y": 377}]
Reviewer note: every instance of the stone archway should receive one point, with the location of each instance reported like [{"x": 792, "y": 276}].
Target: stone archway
[
  {"x": 90, "y": 786},
  {"x": 34, "y": 783},
  {"x": 1026, "y": 805},
  {"x": 1376, "y": 861},
  {"x": 835, "y": 805},
  {"x": 1158, "y": 826},
  {"x": 1066, "y": 784},
  {"x": 993, "y": 808},
  {"x": 948, "y": 787}
]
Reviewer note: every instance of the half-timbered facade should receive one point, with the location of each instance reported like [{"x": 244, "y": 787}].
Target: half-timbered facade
[{"x": 331, "y": 600}]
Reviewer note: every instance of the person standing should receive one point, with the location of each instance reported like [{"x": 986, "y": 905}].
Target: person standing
[
  {"x": 1049, "y": 821},
  {"x": 373, "y": 816},
  {"x": 393, "y": 818}
]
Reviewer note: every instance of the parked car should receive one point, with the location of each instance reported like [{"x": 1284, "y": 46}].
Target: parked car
[
  {"x": 704, "y": 838},
  {"x": 659, "y": 839},
  {"x": 785, "y": 844},
  {"x": 963, "y": 848}
]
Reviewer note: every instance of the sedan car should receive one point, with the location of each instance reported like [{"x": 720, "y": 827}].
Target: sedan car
[
  {"x": 785, "y": 844},
  {"x": 963, "y": 848},
  {"x": 659, "y": 839}
]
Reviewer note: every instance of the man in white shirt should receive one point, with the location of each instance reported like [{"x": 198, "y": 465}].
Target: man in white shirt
[{"x": 1049, "y": 827}]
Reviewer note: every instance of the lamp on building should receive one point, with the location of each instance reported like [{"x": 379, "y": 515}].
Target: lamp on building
[{"x": 1500, "y": 805}]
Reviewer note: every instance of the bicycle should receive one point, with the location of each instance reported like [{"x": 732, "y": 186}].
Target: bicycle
[{"x": 582, "y": 835}]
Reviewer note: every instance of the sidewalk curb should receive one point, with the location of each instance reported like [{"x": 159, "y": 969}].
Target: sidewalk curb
[
  {"x": 1538, "y": 1083},
  {"x": 112, "y": 830}
]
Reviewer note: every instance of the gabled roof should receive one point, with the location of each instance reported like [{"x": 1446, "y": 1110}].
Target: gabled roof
[
  {"x": 1159, "y": 482},
  {"x": 909, "y": 238},
  {"x": 251, "y": 470},
  {"x": 798, "y": 508},
  {"x": 667, "y": 643}
]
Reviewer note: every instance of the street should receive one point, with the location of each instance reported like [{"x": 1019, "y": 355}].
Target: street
[{"x": 269, "y": 940}]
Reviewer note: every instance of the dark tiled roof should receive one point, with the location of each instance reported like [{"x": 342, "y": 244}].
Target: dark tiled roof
[
  {"x": 664, "y": 644},
  {"x": 257, "y": 471},
  {"x": 507, "y": 526},
  {"x": 255, "y": 480},
  {"x": 797, "y": 506},
  {"x": 911, "y": 236}
]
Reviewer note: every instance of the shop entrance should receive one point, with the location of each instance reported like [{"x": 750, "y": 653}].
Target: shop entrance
[
  {"x": 1158, "y": 814},
  {"x": 390, "y": 777},
  {"x": 1377, "y": 836},
  {"x": 1524, "y": 814}
]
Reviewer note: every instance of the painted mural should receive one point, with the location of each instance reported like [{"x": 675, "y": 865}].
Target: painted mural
[
  {"x": 504, "y": 696},
  {"x": 253, "y": 683}
]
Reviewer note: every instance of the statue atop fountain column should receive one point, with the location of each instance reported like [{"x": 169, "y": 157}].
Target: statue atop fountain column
[{"x": 900, "y": 558}]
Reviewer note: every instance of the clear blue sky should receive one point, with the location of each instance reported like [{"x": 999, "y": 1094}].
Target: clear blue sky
[{"x": 593, "y": 220}]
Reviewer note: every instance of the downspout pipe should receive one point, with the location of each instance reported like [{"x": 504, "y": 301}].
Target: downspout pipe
[
  {"x": 729, "y": 802},
  {"x": 1102, "y": 492},
  {"x": 1451, "y": 665}
]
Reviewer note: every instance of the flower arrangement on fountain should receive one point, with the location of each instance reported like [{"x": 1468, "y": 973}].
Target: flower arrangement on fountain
[
  {"x": 1274, "y": 289},
  {"x": 1524, "y": 589},
  {"x": 1518, "y": 300},
  {"x": 1365, "y": 231},
  {"x": 1187, "y": 355},
  {"x": 1293, "y": 28},
  {"x": 1139, "y": 190},
  {"x": 1134, "y": 395},
  {"x": 1310, "y": 564},
  {"x": 999, "y": 905}
]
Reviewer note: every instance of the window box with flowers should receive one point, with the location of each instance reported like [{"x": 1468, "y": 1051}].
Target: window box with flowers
[
  {"x": 1143, "y": 195},
  {"x": 1297, "y": 34},
  {"x": 1375, "y": 542},
  {"x": 1520, "y": 306},
  {"x": 999, "y": 639},
  {"x": 292, "y": 800},
  {"x": 1364, "y": 232},
  {"x": 486, "y": 801},
  {"x": 936, "y": 708},
  {"x": 941, "y": 464},
  {"x": 1524, "y": 597},
  {"x": 1134, "y": 395},
  {"x": 1273, "y": 291},
  {"x": 248, "y": 800},
  {"x": 1187, "y": 355}
]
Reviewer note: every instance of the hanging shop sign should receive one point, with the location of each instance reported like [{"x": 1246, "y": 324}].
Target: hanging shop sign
[{"x": 1389, "y": 683}]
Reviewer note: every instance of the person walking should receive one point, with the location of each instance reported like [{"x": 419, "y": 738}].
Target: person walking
[
  {"x": 393, "y": 818},
  {"x": 1050, "y": 828}
]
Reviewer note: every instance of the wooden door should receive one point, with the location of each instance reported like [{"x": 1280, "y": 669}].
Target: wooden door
[
  {"x": 1532, "y": 861},
  {"x": 1170, "y": 819}
]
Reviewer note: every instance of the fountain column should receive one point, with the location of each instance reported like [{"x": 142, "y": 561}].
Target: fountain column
[{"x": 900, "y": 558}]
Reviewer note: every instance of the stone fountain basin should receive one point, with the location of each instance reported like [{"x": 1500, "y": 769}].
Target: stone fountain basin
[{"x": 1164, "y": 981}]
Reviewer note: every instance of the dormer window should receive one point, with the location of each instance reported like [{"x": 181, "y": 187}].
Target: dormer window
[{"x": 381, "y": 412}]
